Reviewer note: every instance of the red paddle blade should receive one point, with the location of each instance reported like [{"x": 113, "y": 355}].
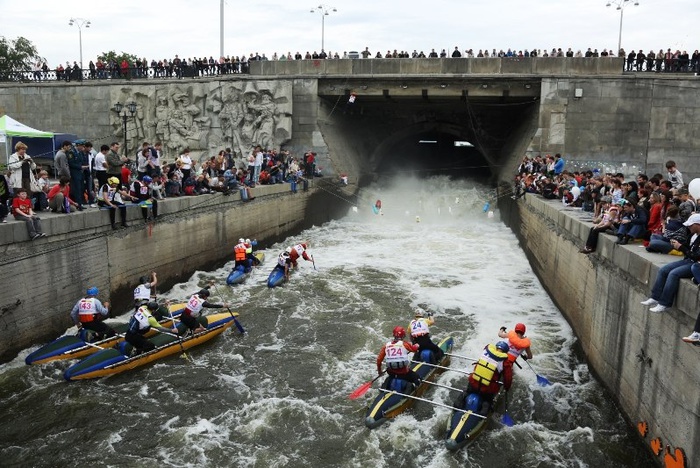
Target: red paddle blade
[{"x": 361, "y": 390}]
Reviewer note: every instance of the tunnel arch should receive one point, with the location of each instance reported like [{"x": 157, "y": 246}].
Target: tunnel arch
[{"x": 401, "y": 148}]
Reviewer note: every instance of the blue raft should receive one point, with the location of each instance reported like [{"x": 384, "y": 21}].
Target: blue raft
[{"x": 240, "y": 273}]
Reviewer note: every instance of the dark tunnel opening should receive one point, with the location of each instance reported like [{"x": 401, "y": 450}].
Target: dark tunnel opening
[{"x": 433, "y": 153}]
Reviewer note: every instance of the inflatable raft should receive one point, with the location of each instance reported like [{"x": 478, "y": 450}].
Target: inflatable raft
[
  {"x": 110, "y": 361},
  {"x": 389, "y": 405},
  {"x": 85, "y": 343},
  {"x": 465, "y": 426},
  {"x": 239, "y": 273}
]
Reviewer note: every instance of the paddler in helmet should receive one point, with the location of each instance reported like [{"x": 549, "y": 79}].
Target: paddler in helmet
[
  {"x": 492, "y": 370},
  {"x": 240, "y": 255},
  {"x": 395, "y": 352},
  {"x": 297, "y": 251},
  {"x": 89, "y": 313},
  {"x": 193, "y": 311},
  {"x": 518, "y": 344},
  {"x": 144, "y": 291},
  {"x": 249, "y": 252},
  {"x": 140, "y": 323},
  {"x": 420, "y": 333}
]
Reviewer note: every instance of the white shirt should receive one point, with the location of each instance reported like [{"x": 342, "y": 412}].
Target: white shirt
[{"x": 100, "y": 162}]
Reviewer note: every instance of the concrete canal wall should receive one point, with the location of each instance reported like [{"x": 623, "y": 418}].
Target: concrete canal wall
[{"x": 637, "y": 354}]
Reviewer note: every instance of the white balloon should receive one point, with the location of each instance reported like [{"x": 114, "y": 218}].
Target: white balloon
[
  {"x": 576, "y": 192},
  {"x": 694, "y": 188}
]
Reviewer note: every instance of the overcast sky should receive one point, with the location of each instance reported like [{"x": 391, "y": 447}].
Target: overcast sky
[{"x": 162, "y": 28}]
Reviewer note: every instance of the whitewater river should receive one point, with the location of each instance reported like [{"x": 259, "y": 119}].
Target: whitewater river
[{"x": 278, "y": 396}]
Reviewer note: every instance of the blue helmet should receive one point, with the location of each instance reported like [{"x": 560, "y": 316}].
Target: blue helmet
[
  {"x": 93, "y": 291},
  {"x": 147, "y": 179},
  {"x": 502, "y": 346}
]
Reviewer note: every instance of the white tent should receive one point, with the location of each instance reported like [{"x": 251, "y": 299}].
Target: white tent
[{"x": 9, "y": 127}]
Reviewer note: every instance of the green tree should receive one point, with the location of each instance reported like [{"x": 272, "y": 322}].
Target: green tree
[
  {"x": 117, "y": 57},
  {"x": 16, "y": 55}
]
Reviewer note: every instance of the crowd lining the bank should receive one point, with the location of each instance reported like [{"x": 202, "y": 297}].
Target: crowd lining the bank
[{"x": 659, "y": 211}]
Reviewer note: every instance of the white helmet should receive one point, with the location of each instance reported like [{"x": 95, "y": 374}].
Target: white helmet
[
  {"x": 247, "y": 241},
  {"x": 241, "y": 241},
  {"x": 420, "y": 312},
  {"x": 288, "y": 250}
]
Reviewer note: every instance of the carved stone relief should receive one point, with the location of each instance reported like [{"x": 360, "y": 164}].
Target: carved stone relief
[{"x": 206, "y": 117}]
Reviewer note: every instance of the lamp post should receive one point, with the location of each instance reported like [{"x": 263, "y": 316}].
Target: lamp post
[
  {"x": 621, "y": 5},
  {"x": 118, "y": 108},
  {"x": 80, "y": 22},
  {"x": 324, "y": 10}
]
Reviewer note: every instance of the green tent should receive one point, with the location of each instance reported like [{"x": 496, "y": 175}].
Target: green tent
[{"x": 9, "y": 127}]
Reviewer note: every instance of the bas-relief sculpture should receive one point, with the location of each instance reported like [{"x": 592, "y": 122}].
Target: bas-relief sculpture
[{"x": 207, "y": 117}]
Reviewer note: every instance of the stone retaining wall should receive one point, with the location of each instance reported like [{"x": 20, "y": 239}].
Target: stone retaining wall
[{"x": 637, "y": 354}]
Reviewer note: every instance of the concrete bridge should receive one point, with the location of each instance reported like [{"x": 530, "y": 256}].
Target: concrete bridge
[{"x": 584, "y": 108}]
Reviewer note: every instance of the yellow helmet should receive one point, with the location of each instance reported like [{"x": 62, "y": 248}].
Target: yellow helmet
[{"x": 113, "y": 181}]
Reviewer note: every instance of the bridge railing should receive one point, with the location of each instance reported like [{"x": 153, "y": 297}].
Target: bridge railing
[{"x": 439, "y": 66}]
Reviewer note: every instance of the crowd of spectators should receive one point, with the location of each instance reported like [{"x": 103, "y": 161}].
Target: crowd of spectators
[
  {"x": 108, "y": 179},
  {"x": 657, "y": 211},
  {"x": 636, "y": 60}
]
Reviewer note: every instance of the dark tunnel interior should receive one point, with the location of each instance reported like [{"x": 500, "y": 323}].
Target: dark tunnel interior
[{"x": 432, "y": 153}]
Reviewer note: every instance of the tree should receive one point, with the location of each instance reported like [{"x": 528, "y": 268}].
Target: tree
[
  {"x": 117, "y": 57},
  {"x": 16, "y": 55}
]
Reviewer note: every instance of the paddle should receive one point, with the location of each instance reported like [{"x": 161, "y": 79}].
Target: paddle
[
  {"x": 442, "y": 405},
  {"x": 179, "y": 338},
  {"x": 445, "y": 368},
  {"x": 460, "y": 356},
  {"x": 362, "y": 389},
  {"x": 542, "y": 381},
  {"x": 441, "y": 385},
  {"x": 507, "y": 420},
  {"x": 235, "y": 321},
  {"x": 93, "y": 345},
  {"x": 313, "y": 262}
]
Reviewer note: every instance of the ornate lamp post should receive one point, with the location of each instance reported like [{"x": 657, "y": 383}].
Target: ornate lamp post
[
  {"x": 131, "y": 108},
  {"x": 621, "y": 5},
  {"x": 324, "y": 10},
  {"x": 80, "y": 22}
]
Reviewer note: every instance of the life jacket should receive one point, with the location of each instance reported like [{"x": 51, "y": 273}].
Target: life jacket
[
  {"x": 141, "y": 292},
  {"x": 112, "y": 193},
  {"x": 194, "y": 305},
  {"x": 239, "y": 251},
  {"x": 516, "y": 345},
  {"x": 139, "y": 322},
  {"x": 490, "y": 362},
  {"x": 396, "y": 355},
  {"x": 87, "y": 310},
  {"x": 419, "y": 327},
  {"x": 248, "y": 249}
]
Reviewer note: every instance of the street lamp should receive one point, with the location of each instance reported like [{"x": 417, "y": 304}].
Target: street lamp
[
  {"x": 119, "y": 107},
  {"x": 80, "y": 22},
  {"x": 324, "y": 10},
  {"x": 621, "y": 5}
]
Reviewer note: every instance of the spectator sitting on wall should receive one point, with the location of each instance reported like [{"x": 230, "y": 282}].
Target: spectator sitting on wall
[
  {"x": 673, "y": 229},
  {"x": 604, "y": 223},
  {"x": 633, "y": 223},
  {"x": 668, "y": 278},
  {"x": 674, "y": 175},
  {"x": 687, "y": 205},
  {"x": 22, "y": 209},
  {"x": 59, "y": 197}
]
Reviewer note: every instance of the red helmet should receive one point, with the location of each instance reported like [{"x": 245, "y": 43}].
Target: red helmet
[
  {"x": 520, "y": 328},
  {"x": 399, "y": 332}
]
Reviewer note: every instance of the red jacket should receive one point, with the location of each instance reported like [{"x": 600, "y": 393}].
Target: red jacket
[{"x": 56, "y": 189}]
